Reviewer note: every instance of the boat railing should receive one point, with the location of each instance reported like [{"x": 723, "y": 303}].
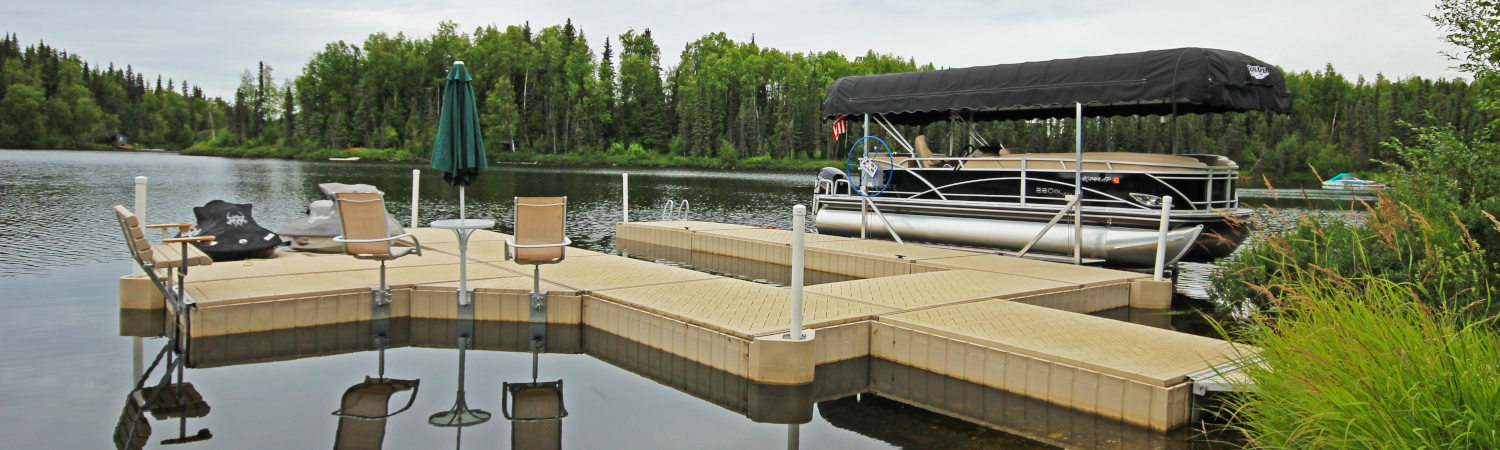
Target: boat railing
[
  {"x": 1062, "y": 163},
  {"x": 1213, "y": 178},
  {"x": 831, "y": 187},
  {"x": 864, "y": 219}
]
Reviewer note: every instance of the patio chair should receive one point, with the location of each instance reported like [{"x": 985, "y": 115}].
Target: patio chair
[
  {"x": 362, "y": 215},
  {"x": 539, "y": 238},
  {"x": 175, "y": 259}
]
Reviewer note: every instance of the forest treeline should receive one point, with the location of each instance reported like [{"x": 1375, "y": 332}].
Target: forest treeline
[{"x": 545, "y": 92}]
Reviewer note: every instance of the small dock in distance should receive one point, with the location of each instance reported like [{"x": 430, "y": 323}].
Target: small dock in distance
[{"x": 997, "y": 321}]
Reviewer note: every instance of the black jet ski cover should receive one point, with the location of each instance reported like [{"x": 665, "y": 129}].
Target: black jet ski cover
[{"x": 236, "y": 235}]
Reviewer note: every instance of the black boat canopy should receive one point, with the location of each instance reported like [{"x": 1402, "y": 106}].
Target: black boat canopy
[{"x": 1193, "y": 80}]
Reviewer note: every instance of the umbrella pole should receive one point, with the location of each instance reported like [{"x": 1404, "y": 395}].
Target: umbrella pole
[{"x": 461, "y": 203}]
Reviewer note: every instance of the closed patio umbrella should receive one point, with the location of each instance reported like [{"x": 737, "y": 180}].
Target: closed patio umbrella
[{"x": 459, "y": 149}]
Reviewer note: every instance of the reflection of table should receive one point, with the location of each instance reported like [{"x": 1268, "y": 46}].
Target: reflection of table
[{"x": 463, "y": 228}]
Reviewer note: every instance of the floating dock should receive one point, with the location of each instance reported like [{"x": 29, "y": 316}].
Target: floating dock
[{"x": 995, "y": 321}]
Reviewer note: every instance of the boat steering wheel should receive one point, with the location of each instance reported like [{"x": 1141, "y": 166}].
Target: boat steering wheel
[{"x": 867, "y": 168}]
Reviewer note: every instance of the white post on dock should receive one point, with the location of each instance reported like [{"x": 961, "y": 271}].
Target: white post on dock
[
  {"x": 1078, "y": 186},
  {"x": 799, "y": 215},
  {"x": 416, "y": 178},
  {"x": 137, "y": 345},
  {"x": 140, "y": 214},
  {"x": 625, "y": 197},
  {"x": 1161, "y": 237}
]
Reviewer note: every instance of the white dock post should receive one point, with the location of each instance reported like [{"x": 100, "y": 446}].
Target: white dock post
[
  {"x": 140, "y": 214},
  {"x": 137, "y": 345},
  {"x": 416, "y": 178},
  {"x": 799, "y": 214},
  {"x": 1161, "y": 237},
  {"x": 625, "y": 197}
]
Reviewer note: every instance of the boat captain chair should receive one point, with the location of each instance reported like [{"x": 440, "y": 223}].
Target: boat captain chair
[
  {"x": 919, "y": 147},
  {"x": 362, "y": 215},
  {"x": 539, "y": 238}
]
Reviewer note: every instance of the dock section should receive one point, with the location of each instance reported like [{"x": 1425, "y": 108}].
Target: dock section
[{"x": 996, "y": 321}]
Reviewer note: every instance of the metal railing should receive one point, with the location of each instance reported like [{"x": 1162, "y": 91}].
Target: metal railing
[
  {"x": 675, "y": 210},
  {"x": 1077, "y": 245}
]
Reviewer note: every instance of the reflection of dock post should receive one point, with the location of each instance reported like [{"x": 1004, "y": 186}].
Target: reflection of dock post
[{"x": 787, "y": 359}]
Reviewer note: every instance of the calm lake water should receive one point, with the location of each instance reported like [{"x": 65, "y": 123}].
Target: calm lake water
[{"x": 65, "y": 370}]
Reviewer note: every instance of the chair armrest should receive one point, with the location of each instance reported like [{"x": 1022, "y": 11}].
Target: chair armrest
[
  {"x": 181, "y": 227},
  {"x": 187, "y": 239},
  {"x": 416, "y": 243},
  {"x": 511, "y": 243}
]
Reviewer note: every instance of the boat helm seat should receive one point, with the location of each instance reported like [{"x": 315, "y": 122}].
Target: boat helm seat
[{"x": 919, "y": 146}]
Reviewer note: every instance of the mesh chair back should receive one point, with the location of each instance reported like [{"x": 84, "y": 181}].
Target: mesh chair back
[
  {"x": 362, "y": 215},
  {"x": 539, "y": 220}
]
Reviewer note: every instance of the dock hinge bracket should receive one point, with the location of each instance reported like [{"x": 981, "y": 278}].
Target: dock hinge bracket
[
  {"x": 538, "y": 306},
  {"x": 380, "y": 315}
]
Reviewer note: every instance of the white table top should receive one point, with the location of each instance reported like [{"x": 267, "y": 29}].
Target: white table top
[{"x": 463, "y": 224}]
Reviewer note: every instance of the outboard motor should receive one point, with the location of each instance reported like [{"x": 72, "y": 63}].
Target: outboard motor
[
  {"x": 236, "y": 235},
  {"x": 828, "y": 178}
]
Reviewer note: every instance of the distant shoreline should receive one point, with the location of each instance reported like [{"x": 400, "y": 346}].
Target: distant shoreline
[{"x": 521, "y": 158}]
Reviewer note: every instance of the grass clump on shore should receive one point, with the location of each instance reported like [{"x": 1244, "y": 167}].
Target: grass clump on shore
[
  {"x": 1380, "y": 330},
  {"x": 1365, "y": 363}
]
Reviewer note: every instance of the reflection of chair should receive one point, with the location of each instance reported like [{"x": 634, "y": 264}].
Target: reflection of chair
[
  {"x": 539, "y": 236},
  {"x": 536, "y": 411},
  {"x": 364, "y": 408},
  {"x": 366, "y": 237}
]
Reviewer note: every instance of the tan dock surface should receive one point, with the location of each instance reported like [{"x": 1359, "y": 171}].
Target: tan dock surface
[
  {"x": 1146, "y": 354},
  {"x": 738, "y": 308},
  {"x": 907, "y": 292},
  {"x": 911, "y": 298}
]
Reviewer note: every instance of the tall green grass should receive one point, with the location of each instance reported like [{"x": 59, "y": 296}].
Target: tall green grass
[{"x": 1364, "y": 363}]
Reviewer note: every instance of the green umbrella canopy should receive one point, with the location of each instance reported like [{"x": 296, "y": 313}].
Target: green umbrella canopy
[{"x": 459, "y": 149}]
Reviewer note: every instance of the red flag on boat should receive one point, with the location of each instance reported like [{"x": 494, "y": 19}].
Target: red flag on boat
[{"x": 839, "y": 127}]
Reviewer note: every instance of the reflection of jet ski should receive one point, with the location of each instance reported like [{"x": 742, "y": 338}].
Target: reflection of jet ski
[
  {"x": 316, "y": 232},
  {"x": 236, "y": 235}
]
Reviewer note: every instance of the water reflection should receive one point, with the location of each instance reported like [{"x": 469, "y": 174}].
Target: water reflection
[
  {"x": 365, "y": 406},
  {"x": 170, "y": 397},
  {"x": 858, "y": 395},
  {"x": 534, "y": 408}
]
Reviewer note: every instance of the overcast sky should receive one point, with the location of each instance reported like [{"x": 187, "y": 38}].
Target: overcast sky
[{"x": 209, "y": 43}]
